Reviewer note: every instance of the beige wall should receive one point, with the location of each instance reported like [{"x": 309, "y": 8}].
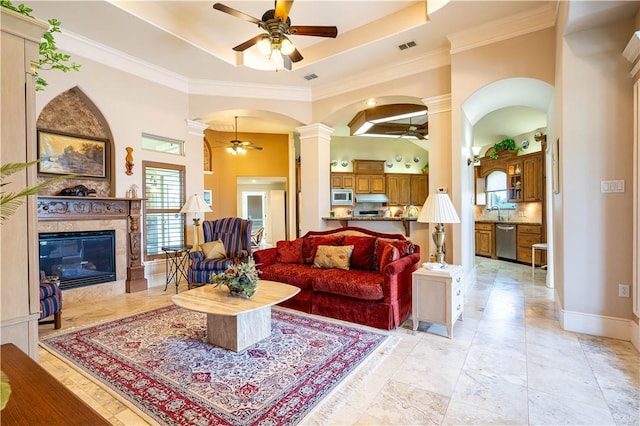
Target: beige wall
[{"x": 595, "y": 145}]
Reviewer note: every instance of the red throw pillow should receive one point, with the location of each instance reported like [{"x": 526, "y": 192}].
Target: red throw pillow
[
  {"x": 364, "y": 250},
  {"x": 331, "y": 240},
  {"x": 289, "y": 251},
  {"x": 389, "y": 254}
]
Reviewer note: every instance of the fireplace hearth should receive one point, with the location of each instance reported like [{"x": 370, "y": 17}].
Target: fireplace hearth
[{"x": 78, "y": 259}]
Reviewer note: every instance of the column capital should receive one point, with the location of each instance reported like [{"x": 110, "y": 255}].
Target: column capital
[
  {"x": 196, "y": 128},
  {"x": 319, "y": 130},
  {"x": 438, "y": 104}
]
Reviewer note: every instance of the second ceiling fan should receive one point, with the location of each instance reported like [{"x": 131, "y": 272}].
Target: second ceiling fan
[
  {"x": 277, "y": 24},
  {"x": 238, "y": 146}
]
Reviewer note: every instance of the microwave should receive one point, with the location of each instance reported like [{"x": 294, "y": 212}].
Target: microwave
[{"x": 342, "y": 197}]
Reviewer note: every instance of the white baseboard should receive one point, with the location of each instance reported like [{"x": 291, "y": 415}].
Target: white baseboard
[
  {"x": 635, "y": 335},
  {"x": 597, "y": 325}
]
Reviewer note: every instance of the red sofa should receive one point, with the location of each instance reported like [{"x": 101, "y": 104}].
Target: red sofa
[{"x": 375, "y": 290}]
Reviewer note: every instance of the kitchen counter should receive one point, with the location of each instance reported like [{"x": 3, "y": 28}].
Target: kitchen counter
[
  {"x": 502, "y": 222},
  {"x": 344, "y": 220}
]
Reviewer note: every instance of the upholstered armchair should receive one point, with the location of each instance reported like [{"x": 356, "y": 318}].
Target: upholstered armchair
[
  {"x": 50, "y": 302},
  {"x": 227, "y": 241}
]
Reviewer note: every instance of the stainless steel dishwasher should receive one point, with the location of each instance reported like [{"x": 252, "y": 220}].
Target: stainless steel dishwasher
[{"x": 506, "y": 242}]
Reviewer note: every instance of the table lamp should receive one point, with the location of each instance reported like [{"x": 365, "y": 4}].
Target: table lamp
[
  {"x": 438, "y": 209},
  {"x": 195, "y": 205}
]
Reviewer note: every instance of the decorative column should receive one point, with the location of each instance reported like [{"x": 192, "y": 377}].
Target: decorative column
[
  {"x": 315, "y": 146},
  {"x": 439, "y": 108},
  {"x": 135, "y": 270}
]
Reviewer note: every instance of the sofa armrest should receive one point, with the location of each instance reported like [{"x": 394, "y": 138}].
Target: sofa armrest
[
  {"x": 397, "y": 276},
  {"x": 265, "y": 257},
  {"x": 196, "y": 256}
]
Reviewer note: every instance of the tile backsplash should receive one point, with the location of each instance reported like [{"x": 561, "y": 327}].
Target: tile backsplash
[{"x": 524, "y": 212}]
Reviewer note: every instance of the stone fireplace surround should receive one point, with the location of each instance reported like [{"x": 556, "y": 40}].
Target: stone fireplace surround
[{"x": 74, "y": 214}]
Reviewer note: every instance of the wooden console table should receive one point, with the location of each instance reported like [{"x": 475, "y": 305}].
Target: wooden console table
[{"x": 37, "y": 398}]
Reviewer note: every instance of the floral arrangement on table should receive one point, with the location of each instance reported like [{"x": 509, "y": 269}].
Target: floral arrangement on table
[{"x": 240, "y": 278}]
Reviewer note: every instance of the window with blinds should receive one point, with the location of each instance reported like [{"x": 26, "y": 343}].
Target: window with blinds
[{"x": 164, "y": 191}]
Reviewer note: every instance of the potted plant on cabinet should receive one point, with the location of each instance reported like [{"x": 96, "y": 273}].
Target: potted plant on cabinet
[{"x": 502, "y": 146}]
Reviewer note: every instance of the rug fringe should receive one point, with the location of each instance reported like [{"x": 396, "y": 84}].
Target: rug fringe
[{"x": 322, "y": 413}]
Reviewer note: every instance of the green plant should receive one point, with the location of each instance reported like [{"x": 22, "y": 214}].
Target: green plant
[
  {"x": 425, "y": 167},
  {"x": 50, "y": 58},
  {"x": 503, "y": 145},
  {"x": 10, "y": 201},
  {"x": 240, "y": 278}
]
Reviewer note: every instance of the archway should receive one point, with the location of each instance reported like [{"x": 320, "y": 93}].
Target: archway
[{"x": 502, "y": 94}]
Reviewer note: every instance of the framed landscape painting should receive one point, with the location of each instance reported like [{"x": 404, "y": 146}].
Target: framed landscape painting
[{"x": 62, "y": 155}]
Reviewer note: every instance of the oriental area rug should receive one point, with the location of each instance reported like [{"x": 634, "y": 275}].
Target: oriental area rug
[{"x": 160, "y": 363}]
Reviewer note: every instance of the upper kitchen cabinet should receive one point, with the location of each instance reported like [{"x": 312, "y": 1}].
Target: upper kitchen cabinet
[
  {"x": 399, "y": 189},
  {"x": 370, "y": 184},
  {"x": 369, "y": 176},
  {"x": 342, "y": 181},
  {"x": 419, "y": 189},
  {"x": 514, "y": 181},
  {"x": 368, "y": 166},
  {"x": 532, "y": 169}
]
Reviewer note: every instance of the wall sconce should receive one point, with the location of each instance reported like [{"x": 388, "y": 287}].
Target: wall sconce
[
  {"x": 128, "y": 161},
  {"x": 476, "y": 156}
]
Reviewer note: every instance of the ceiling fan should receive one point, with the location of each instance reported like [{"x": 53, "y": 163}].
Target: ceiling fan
[
  {"x": 240, "y": 147},
  {"x": 277, "y": 24},
  {"x": 420, "y": 132}
]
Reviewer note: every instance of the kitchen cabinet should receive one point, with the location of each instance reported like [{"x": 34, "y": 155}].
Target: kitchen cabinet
[
  {"x": 514, "y": 181},
  {"x": 370, "y": 184},
  {"x": 419, "y": 189},
  {"x": 529, "y": 235},
  {"x": 342, "y": 180},
  {"x": 485, "y": 239},
  {"x": 532, "y": 177},
  {"x": 437, "y": 296},
  {"x": 398, "y": 189},
  {"x": 368, "y": 167}
]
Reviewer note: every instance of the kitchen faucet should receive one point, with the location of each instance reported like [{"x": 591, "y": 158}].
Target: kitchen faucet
[{"x": 497, "y": 206}]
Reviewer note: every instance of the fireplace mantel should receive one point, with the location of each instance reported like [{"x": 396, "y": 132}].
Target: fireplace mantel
[{"x": 63, "y": 208}]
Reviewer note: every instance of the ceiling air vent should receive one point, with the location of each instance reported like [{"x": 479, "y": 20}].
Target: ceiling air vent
[
  {"x": 310, "y": 76},
  {"x": 407, "y": 45}
]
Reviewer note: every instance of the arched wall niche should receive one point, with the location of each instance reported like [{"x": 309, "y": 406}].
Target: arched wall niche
[{"x": 72, "y": 113}]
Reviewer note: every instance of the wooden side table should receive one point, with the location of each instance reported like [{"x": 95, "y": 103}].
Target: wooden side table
[{"x": 437, "y": 296}]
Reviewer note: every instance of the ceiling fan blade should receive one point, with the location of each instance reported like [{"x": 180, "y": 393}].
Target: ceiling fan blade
[
  {"x": 226, "y": 9},
  {"x": 316, "y": 31},
  {"x": 296, "y": 56},
  {"x": 247, "y": 44},
  {"x": 257, "y": 148},
  {"x": 282, "y": 9},
  {"x": 286, "y": 62}
]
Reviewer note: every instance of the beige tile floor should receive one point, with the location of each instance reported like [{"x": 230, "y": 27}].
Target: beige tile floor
[{"x": 509, "y": 363}]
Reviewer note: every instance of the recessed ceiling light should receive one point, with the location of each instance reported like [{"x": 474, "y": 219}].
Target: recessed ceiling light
[{"x": 372, "y": 102}]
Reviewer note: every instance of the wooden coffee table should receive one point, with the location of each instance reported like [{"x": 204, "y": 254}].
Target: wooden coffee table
[{"x": 236, "y": 323}]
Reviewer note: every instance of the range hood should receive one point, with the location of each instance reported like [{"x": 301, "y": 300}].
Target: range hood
[{"x": 371, "y": 198}]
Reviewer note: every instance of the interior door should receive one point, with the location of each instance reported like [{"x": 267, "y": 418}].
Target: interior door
[{"x": 253, "y": 208}]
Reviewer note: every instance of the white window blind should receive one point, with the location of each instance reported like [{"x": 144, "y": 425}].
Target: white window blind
[{"x": 164, "y": 191}]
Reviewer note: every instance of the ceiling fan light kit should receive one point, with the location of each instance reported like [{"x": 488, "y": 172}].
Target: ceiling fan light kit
[
  {"x": 277, "y": 23},
  {"x": 238, "y": 146}
]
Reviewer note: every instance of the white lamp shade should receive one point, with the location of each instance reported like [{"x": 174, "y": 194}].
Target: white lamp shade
[
  {"x": 195, "y": 204},
  {"x": 438, "y": 209}
]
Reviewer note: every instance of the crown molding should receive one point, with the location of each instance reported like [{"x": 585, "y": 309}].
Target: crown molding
[
  {"x": 429, "y": 61},
  {"x": 82, "y": 46},
  {"x": 249, "y": 90},
  {"x": 632, "y": 52},
  {"x": 503, "y": 29}
]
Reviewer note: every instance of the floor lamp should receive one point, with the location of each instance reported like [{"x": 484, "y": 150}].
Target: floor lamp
[
  {"x": 195, "y": 205},
  {"x": 439, "y": 209}
]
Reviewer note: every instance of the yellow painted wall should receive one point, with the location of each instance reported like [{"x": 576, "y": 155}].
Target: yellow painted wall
[{"x": 273, "y": 160}]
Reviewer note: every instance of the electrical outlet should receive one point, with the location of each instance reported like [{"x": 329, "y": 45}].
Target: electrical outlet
[{"x": 623, "y": 290}]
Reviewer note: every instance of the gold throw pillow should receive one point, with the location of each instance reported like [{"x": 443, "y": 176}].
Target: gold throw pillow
[
  {"x": 338, "y": 257},
  {"x": 214, "y": 250}
]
